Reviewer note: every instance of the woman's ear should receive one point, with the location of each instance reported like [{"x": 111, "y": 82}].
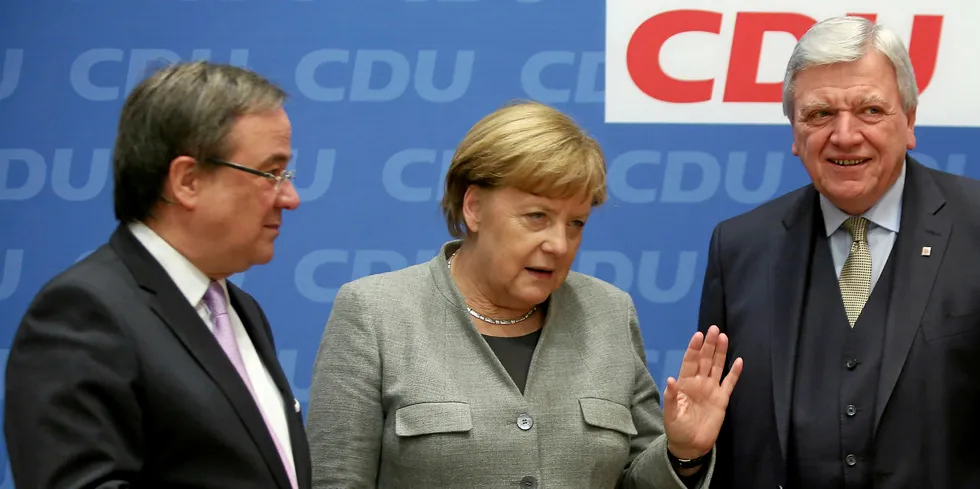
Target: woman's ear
[{"x": 473, "y": 202}]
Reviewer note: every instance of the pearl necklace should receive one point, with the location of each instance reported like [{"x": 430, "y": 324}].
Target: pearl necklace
[{"x": 481, "y": 317}]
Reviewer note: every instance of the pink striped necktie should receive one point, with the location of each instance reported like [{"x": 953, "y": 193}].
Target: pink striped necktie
[{"x": 215, "y": 300}]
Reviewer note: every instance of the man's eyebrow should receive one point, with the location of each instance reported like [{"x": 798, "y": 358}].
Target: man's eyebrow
[
  {"x": 872, "y": 99},
  {"x": 813, "y": 105},
  {"x": 276, "y": 159}
]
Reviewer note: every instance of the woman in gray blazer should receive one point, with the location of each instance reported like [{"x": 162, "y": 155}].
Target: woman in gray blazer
[{"x": 493, "y": 365}]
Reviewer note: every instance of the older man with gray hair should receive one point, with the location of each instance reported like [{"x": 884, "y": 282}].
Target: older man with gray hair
[
  {"x": 855, "y": 300},
  {"x": 142, "y": 365}
]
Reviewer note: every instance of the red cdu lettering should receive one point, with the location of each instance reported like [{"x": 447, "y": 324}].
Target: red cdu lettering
[
  {"x": 743, "y": 64},
  {"x": 923, "y": 45},
  {"x": 643, "y": 55},
  {"x": 644, "y": 66}
]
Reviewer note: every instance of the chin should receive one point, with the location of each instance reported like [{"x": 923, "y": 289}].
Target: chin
[
  {"x": 262, "y": 258},
  {"x": 533, "y": 296}
]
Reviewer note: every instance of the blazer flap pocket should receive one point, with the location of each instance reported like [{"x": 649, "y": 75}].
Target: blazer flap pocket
[
  {"x": 433, "y": 417},
  {"x": 952, "y": 325},
  {"x": 607, "y": 414}
]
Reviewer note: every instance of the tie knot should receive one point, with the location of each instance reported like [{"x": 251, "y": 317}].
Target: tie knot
[
  {"x": 215, "y": 299},
  {"x": 858, "y": 227}
]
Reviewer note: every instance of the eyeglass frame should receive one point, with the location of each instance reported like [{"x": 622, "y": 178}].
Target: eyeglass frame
[{"x": 279, "y": 179}]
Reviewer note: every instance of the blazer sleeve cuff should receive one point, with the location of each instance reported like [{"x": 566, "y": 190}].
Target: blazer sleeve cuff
[{"x": 652, "y": 469}]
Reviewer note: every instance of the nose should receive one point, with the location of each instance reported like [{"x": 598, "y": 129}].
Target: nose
[
  {"x": 847, "y": 130},
  {"x": 557, "y": 241},
  {"x": 288, "y": 197}
]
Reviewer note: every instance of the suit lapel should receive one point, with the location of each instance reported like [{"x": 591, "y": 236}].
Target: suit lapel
[
  {"x": 923, "y": 224},
  {"x": 172, "y": 307},
  {"x": 261, "y": 335},
  {"x": 790, "y": 261},
  {"x": 255, "y": 325}
]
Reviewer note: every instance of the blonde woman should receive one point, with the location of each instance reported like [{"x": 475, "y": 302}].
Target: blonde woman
[{"x": 493, "y": 365}]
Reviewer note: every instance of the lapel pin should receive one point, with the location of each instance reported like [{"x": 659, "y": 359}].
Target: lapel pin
[
  {"x": 926, "y": 250},
  {"x": 296, "y": 404}
]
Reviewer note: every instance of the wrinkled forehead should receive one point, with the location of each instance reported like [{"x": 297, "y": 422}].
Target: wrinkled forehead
[
  {"x": 855, "y": 97},
  {"x": 869, "y": 79}
]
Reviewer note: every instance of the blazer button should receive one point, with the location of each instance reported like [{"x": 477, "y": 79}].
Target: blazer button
[
  {"x": 524, "y": 422},
  {"x": 529, "y": 482},
  {"x": 851, "y": 410},
  {"x": 851, "y": 460},
  {"x": 851, "y": 364}
]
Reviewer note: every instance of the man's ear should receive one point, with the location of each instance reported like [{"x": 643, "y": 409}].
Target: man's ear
[
  {"x": 473, "y": 202},
  {"x": 183, "y": 182},
  {"x": 910, "y": 144}
]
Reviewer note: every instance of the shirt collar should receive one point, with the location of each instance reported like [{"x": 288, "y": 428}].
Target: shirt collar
[
  {"x": 190, "y": 280},
  {"x": 886, "y": 213}
]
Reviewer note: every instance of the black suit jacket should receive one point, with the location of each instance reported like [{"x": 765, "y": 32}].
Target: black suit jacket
[
  {"x": 113, "y": 381},
  {"x": 927, "y": 417}
]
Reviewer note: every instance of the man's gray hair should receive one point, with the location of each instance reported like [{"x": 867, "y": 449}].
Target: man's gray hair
[
  {"x": 182, "y": 109},
  {"x": 845, "y": 39}
]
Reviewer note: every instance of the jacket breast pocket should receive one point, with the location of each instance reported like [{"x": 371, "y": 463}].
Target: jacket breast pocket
[
  {"x": 952, "y": 325},
  {"x": 609, "y": 427},
  {"x": 428, "y": 418}
]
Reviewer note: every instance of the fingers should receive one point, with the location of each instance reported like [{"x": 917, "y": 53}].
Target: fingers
[
  {"x": 689, "y": 364},
  {"x": 707, "y": 353},
  {"x": 718, "y": 362},
  {"x": 728, "y": 385}
]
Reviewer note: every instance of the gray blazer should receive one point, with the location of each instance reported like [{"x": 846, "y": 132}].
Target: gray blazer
[{"x": 407, "y": 393}]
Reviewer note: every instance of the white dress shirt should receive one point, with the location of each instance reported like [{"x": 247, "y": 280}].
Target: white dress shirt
[{"x": 193, "y": 283}]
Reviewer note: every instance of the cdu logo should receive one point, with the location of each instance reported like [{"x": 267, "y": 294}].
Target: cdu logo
[
  {"x": 94, "y": 165},
  {"x": 318, "y": 171},
  {"x": 120, "y": 70},
  {"x": 383, "y": 75},
  {"x": 580, "y": 81},
  {"x": 10, "y": 69},
  {"x": 10, "y": 273},
  {"x": 690, "y": 177}
]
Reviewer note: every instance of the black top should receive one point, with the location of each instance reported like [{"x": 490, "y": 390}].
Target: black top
[{"x": 515, "y": 353}]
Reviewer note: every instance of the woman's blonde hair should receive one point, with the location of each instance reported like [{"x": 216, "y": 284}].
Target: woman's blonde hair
[{"x": 528, "y": 146}]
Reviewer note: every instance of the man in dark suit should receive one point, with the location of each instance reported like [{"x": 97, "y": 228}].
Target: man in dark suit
[
  {"x": 141, "y": 366},
  {"x": 854, "y": 301}
]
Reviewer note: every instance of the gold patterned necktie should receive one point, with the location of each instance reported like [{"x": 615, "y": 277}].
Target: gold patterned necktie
[{"x": 855, "y": 278}]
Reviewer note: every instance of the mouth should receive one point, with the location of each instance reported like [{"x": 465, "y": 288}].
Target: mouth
[
  {"x": 540, "y": 272},
  {"x": 274, "y": 227},
  {"x": 849, "y": 161}
]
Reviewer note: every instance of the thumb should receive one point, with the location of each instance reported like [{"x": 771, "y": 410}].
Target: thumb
[{"x": 670, "y": 394}]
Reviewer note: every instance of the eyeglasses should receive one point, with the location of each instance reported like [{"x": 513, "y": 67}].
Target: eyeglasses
[{"x": 278, "y": 179}]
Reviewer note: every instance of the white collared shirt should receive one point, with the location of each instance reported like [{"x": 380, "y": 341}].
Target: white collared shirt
[{"x": 193, "y": 283}]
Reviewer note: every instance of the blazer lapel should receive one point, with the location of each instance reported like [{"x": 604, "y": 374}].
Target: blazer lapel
[
  {"x": 923, "y": 224},
  {"x": 261, "y": 335},
  {"x": 790, "y": 252},
  {"x": 172, "y": 307}
]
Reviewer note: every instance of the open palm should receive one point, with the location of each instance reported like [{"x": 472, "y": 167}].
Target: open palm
[{"x": 695, "y": 403}]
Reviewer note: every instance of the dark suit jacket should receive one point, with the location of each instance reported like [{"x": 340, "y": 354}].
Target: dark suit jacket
[
  {"x": 113, "y": 381},
  {"x": 927, "y": 417}
]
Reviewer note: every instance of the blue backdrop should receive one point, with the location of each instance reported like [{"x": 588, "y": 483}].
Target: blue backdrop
[{"x": 382, "y": 91}]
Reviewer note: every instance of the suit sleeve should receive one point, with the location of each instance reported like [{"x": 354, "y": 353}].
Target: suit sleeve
[
  {"x": 345, "y": 418},
  {"x": 712, "y": 308},
  {"x": 649, "y": 467},
  {"x": 713, "y": 312},
  {"x": 71, "y": 413}
]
